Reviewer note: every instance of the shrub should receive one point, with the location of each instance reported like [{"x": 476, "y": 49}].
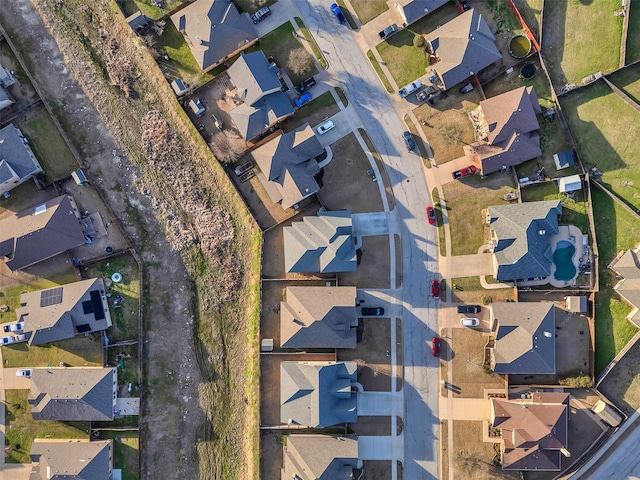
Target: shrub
[
  {"x": 486, "y": 299},
  {"x": 579, "y": 381},
  {"x": 419, "y": 42}
]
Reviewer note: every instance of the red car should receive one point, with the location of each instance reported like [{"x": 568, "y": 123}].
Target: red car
[
  {"x": 465, "y": 172},
  {"x": 431, "y": 215},
  {"x": 435, "y": 347},
  {"x": 435, "y": 289}
]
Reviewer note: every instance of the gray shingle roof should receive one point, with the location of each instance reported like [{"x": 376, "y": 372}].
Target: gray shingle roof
[
  {"x": 71, "y": 459},
  {"x": 62, "y": 312},
  {"x": 533, "y": 430},
  {"x": 512, "y": 129},
  {"x": 5, "y": 99},
  {"x": 525, "y": 340},
  {"x": 40, "y": 232},
  {"x": 322, "y": 243},
  {"x": 17, "y": 161},
  {"x": 6, "y": 77},
  {"x": 318, "y": 317},
  {"x": 73, "y": 394},
  {"x": 463, "y": 45},
  {"x": 320, "y": 457},
  {"x": 214, "y": 30},
  {"x": 522, "y": 250},
  {"x": 415, "y": 9},
  {"x": 259, "y": 87},
  {"x": 318, "y": 394},
  {"x": 288, "y": 164}
]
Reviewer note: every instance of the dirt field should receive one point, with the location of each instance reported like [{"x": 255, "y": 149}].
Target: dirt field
[{"x": 178, "y": 424}]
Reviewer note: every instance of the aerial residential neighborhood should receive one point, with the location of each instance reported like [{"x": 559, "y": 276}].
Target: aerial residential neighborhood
[{"x": 306, "y": 239}]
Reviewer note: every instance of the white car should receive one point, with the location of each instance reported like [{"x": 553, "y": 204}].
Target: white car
[
  {"x": 7, "y": 340},
  {"x": 14, "y": 327},
  {"x": 325, "y": 127},
  {"x": 469, "y": 322},
  {"x": 24, "y": 372}
]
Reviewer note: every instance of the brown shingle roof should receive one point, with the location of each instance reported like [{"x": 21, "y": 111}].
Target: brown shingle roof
[
  {"x": 533, "y": 430},
  {"x": 40, "y": 232}
]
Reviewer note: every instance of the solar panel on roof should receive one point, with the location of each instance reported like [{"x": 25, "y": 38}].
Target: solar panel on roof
[
  {"x": 97, "y": 304},
  {"x": 87, "y": 307},
  {"x": 51, "y": 297}
]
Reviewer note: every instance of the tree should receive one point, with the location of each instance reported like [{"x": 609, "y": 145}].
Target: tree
[
  {"x": 299, "y": 61},
  {"x": 419, "y": 42},
  {"x": 225, "y": 149}
]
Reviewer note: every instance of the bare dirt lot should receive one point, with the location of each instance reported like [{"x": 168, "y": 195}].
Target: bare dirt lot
[{"x": 178, "y": 437}]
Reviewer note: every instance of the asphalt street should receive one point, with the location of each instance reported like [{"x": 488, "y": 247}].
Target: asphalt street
[{"x": 350, "y": 69}]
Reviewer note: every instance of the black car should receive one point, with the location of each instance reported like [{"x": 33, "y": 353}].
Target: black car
[
  {"x": 261, "y": 14},
  {"x": 408, "y": 139},
  {"x": 465, "y": 6},
  {"x": 469, "y": 309},
  {"x": 373, "y": 312},
  {"x": 306, "y": 85}
]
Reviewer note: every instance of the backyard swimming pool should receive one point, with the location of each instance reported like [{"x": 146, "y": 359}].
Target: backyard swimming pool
[{"x": 563, "y": 259}]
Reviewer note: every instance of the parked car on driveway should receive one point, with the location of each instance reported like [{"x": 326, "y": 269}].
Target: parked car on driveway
[
  {"x": 6, "y": 340},
  {"x": 261, "y": 14},
  {"x": 14, "y": 327},
  {"x": 24, "y": 372},
  {"x": 435, "y": 289},
  {"x": 302, "y": 99},
  {"x": 408, "y": 139},
  {"x": 409, "y": 89},
  {"x": 431, "y": 215},
  {"x": 435, "y": 347},
  {"x": 469, "y": 308},
  {"x": 469, "y": 322},
  {"x": 373, "y": 312},
  {"x": 305, "y": 85},
  {"x": 387, "y": 32},
  {"x": 335, "y": 9},
  {"x": 325, "y": 127},
  {"x": 465, "y": 172}
]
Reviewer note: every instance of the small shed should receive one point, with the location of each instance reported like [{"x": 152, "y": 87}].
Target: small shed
[
  {"x": 79, "y": 177},
  {"x": 576, "y": 303},
  {"x": 196, "y": 107},
  {"x": 564, "y": 160},
  {"x": 179, "y": 87},
  {"x": 139, "y": 23},
  {"x": 570, "y": 184}
]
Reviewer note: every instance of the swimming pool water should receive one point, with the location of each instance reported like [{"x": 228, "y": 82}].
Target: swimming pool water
[{"x": 563, "y": 259}]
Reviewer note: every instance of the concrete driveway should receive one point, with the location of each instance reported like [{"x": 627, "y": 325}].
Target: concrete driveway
[
  {"x": 372, "y": 224},
  {"x": 11, "y": 382},
  {"x": 444, "y": 172},
  {"x": 371, "y": 297},
  {"x": 471, "y": 265},
  {"x": 379, "y": 404},
  {"x": 380, "y": 448}
]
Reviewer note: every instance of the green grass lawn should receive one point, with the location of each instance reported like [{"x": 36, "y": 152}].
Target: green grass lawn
[
  {"x": 442, "y": 241},
  {"x": 124, "y": 317},
  {"x": 588, "y": 38},
  {"x": 606, "y": 130},
  {"x": 47, "y": 144},
  {"x": 126, "y": 446},
  {"x": 633, "y": 34},
  {"x": 279, "y": 44},
  {"x": 530, "y": 11},
  {"x": 78, "y": 351},
  {"x": 616, "y": 230},
  {"x": 574, "y": 211},
  {"x": 181, "y": 63},
  {"x": 405, "y": 62},
  {"x": 21, "y": 428},
  {"x": 378, "y": 69},
  {"x": 367, "y": 10},
  {"x": 128, "y": 374},
  {"x": 628, "y": 80},
  {"x": 465, "y": 201},
  {"x": 506, "y": 21},
  {"x": 312, "y": 43}
]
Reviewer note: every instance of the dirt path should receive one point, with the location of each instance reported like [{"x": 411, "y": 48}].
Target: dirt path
[{"x": 172, "y": 416}]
